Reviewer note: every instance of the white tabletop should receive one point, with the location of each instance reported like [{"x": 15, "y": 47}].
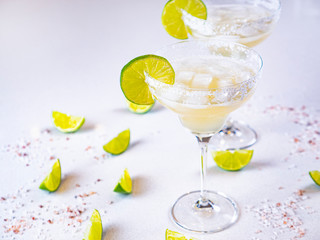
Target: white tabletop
[{"x": 67, "y": 56}]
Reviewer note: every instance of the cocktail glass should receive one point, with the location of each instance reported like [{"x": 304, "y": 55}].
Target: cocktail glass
[
  {"x": 244, "y": 21},
  {"x": 212, "y": 79}
]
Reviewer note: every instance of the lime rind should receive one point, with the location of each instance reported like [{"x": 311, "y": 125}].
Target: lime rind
[
  {"x": 119, "y": 144},
  {"x": 232, "y": 161},
  {"x": 67, "y": 123},
  {"x": 133, "y": 76},
  {"x": 52, "y": 181},
  {"x": 172, "y": 16},
  {"x": 124, "y": 184},
  {"x": 95, "y": 230},
  {"x": 315, "y": 175}
]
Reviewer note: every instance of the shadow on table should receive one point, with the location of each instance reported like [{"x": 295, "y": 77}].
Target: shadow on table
[
  {"x": 87, "y": 126},
  {"x": 109, "y": 232},
  {"x": 68, "y": 182},
  {"x": 136, "y": 142},
  {"x": 139, "y": 185},
  {"x": 312, "y": 188}
]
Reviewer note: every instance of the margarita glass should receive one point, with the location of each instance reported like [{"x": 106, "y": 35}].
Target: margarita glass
[
  {"x": 212, "y": 79},
  {"x": 244, "y": 21}
]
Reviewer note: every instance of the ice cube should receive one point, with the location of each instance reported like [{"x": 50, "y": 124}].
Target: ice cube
[
  {"x": 202, "y": 80},
  {"x": 184, "y": 78}
]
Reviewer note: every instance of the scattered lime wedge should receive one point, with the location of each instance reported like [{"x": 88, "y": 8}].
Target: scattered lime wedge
[
  {"x": 171, "y": 235},
  {"x": 125, "y": 183},
  {"x": 315, "y": 175},
  {"x": 139, "y": 109},
  {"x": 53, "y": 179},
  {"x": 65, "y": 123},
  {"x": 232, "y": 161},
  {"x": 172, "y": 18},
  {"x": 133, "y": 76},
  {"x": 94, "y": 231},
  {"x": 118, "y": 144}
]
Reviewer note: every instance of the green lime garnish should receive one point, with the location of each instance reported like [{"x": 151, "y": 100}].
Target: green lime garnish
[
  {"x": 172, "y": 16},
  {"x": 124, "y": 184},
  {"x": 171, "y": 235},
  {"x": 232, "y": 161},
  {"x": 315, "y": 175},
  {"x": 94, "y": 231},
  {"x": 118, "y": 144},
  {"x": 53, "y": 179},
  {"x": 133, "y": 76},
  {"x": 139, "y": 109},
  {"x": 67, "y": 123}
]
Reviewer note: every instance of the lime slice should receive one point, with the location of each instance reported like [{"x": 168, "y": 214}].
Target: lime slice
[
  {"x": 94, "y": 231},
  {"x": 65, "y": 123},
  {"x": 315, "y": 175},
  {"x": 171, "y": 235},
  {"x": 172, "y": 19},
  {"x": 125, "y": 183},
  {"x": 53, "y": 179},
  {"x": 139, "y": 109},
  {"x": 118, "y": 144},
  {"x": 133, "y": 76},
  {"x": 232, "y": 161}
]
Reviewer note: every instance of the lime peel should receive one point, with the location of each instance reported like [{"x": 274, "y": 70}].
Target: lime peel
[
  {"x": 52, "y": 181},
  {"x": 95, "y": 230},
  {"x": 119, "y": 144},
  {"x": 67, "y": 123},
  {"x": 232, "y": 161},
  {"x": 133, "y": 76},
  {"x": 315, "y": 175},
  {"x": 124, "y": 184}
]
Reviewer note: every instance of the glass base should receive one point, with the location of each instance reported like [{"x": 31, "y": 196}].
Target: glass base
[
  {"x": 216, "y": 214},
  {"x": 236, "y": 135}
]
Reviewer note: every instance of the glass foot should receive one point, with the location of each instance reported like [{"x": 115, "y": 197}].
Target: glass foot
[
  {"x": 235, "y": 135},
  {"x": 213, "y": 215}
]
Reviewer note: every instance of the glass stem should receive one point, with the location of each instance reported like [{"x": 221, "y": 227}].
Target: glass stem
[{"x": 203, "y": 202}]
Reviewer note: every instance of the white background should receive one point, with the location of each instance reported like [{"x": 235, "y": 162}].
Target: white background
[{"x": 67, "y": 56}]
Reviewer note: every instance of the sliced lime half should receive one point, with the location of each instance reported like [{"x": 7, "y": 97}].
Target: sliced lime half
[
  {"x": 94, "y": 231},
  {"x": 315, "y": 175},
  {"x": 124, "y": 184},
  {"x": 67, "y": 123},
  {"x": 119, "y": 144},
  {"x": 139, "y": 109},
  {"x": 133, "y": 76},
  {"x": 232, "y": 161},
  {"x": 52, "y": 181},
  {"x": 172, "y": 16}
]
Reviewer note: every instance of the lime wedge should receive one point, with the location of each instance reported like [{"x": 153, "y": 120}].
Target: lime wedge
[
  {"x": 139, "y": 109},
  {"x": 172, "y": 16},
  {"x": 125, "y": 183},
  {"x": 65, "y": 123},
  {"x": 171, "y": 235},
  {"x": 133, "y": 76},
  {"x": 315, "y": 175},
  {"x": 53, "y": 179},
  {"x": 118, "y": 144},
  {"x": 232, "y": 161},
  {"x": 94, "y": 231}
]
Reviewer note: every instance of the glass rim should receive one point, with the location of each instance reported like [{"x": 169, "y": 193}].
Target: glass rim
[
  {"x": 275, "y": 11},
  {"x": 233, "y": 86}
]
